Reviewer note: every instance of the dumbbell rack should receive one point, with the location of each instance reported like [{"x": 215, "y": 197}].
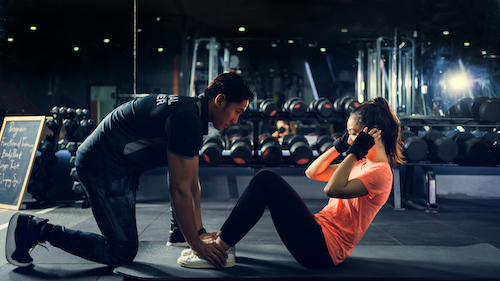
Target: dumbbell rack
[
  {"x": 256, "y": 117},
  {"x": 430, "y": 188}
]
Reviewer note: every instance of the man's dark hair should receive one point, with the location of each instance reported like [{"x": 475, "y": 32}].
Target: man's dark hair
[{"x": 232, "y": 86}]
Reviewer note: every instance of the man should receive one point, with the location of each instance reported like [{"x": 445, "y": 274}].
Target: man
[{"x": 137, "y": 135}]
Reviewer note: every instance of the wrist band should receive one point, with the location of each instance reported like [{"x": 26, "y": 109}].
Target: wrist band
[{"x": 201, "y": 231}]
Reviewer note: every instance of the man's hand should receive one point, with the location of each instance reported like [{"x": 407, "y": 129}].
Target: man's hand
[{"x": 212, "y": 252}]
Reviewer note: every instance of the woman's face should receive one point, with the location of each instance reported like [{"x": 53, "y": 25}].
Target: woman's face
[{"x": 353, "y": 128}]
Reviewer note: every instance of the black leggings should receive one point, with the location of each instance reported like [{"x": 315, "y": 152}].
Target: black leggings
[{"x": 295, "y": 224}]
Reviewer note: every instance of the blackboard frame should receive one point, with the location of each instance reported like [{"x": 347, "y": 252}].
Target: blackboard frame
[{"x": 21, "y": 189}]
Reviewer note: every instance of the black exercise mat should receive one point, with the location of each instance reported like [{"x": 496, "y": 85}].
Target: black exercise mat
[{"x": 155, "y": 261}]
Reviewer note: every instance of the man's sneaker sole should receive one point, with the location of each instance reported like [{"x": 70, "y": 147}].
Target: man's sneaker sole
[
  {"x": 196, "y": 262},
  {"x": 10, "y": 242}
]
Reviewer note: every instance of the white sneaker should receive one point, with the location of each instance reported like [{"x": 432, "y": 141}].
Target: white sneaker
[
  {"x": 193, "y": 261},
  {"x": 187, "y": 252}
]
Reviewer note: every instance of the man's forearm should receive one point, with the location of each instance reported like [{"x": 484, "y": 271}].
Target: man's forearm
[{"x": 184, "y": 209}]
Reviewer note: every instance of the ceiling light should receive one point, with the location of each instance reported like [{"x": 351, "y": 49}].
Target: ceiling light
[
  {"x": 274, "y": 44},
  {"x": 33, "y": 27},
  {"x": 446, "y": 32},
  {"x": 241, "y": 29},
  {"x": 483, "y": 52},
  {"x": 10, "y": 39},
  {"x": 76, "y": 48},
  {"x": 158, "y": 19},
  {"x": 466, "y": 43},
  {"x": 239, "y": 49},
  {"x": 106, "y": 40},
  {"x": 344, "y": 30},
  {"x": 160, "y": 49},
  {"x": 290, "y": 41},
  {"x": 322, "y": 49}
]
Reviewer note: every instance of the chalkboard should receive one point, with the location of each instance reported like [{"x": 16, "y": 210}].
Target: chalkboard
[{"x": 19, "y": 140}]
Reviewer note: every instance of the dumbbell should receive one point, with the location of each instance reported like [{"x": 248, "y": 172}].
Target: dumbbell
[
  {"x": 489, "y": 111},
  {"x": 322, "y": 107},
  {"x": 346, "y": 104},
  {"x": 211, "y": 150},
  {"x": 296, "y": 107},
  {"x": 324, "y": 143},
  {"x": 463, "y": 107},
  {"x": 52, "y": 124},
  {"x": 72, "y": 147},
  {"x": 472, "y": 151},
  {"x": 493, "y": 141},
  {"x": 270, "y": 150},
  {"x": 476, "y": 104},
  {"x": 268, "y": 108},
  {"x": 300, "y": 151},
  {"x": 86, "y": 126},
  {"x": 415, "y": 147},
  {"x": 241, "y": 150},
  {"x": 441, "y": 147},
  {"x": 45, "y": 147}
]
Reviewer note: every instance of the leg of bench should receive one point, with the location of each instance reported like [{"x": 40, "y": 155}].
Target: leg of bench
[
  {"x": 430, "y": 181},
  {"x": 396, "y": 190}
]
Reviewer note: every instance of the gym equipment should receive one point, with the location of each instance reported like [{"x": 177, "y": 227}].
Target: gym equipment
[
  {"x": 324, "y": 143},
  {"x": 270, "y": 150},
  {"x": 268, "y": 108},
  {"x": 241, "y": 150},
  {"x": 346, "y": 104},
  {"x": 300, "y": 151},
  {"x": 463, "y": 107},
  {"x": 211, "y": 150},
  {"x": 296, "y": 107},
  {"x": 441, "y": 148},
  {"x": 322, "y": 107},
  {"x": 472, "y": 151},
  {"x": 493, "y": 141},
  {"x": 476, "y": 104},
  {"x": 415, "y": 147},
  {"x": 489, "y": 111}
]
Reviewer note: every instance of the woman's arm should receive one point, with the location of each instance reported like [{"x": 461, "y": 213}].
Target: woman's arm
[
  {"x": 320, "y": 169},
  {"x": 339, "y": 186}
]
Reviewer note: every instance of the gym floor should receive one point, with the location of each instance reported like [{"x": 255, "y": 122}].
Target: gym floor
[{"x": 459, "y": 242}]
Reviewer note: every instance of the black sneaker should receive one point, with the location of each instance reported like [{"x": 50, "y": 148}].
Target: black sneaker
[
  {"x": 23, "y": 234},
  {"x": 176, "y": 238}
]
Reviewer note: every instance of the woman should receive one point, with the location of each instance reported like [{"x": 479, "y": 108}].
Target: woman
[{"x": 357, "y": 188}]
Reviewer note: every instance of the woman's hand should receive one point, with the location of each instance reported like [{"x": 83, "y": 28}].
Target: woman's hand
[{"x": 363, "y": 142}]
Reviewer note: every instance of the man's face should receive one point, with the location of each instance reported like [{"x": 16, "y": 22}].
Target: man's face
[{"x": 227, "y": 114}]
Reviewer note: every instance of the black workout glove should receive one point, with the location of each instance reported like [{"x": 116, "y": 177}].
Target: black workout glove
[
  {"x": 341, "y": 144},
  {"x": 361, "y": 145}
]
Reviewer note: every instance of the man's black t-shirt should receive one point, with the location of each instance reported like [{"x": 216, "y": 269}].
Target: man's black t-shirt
[{"x": 138, "y": 134}]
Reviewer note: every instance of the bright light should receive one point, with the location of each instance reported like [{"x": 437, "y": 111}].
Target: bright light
[
  {"x": 241, "y": 29},
  {"x": 239, "y": 49},
  {"x": 458, "y": 81},
  {"x": 466, "y": 43},
  {"x": 158, "y": 19},
  {"x": 33, "y": 27},
  {"x": 322, "y": 49},
  {"x": 344, "y": 30},
  {"x": 10, "y": 39},
  {"x": 290, "y": 41},
  {"x": 106, "y": 40},
  {"x": 76, "y": 48},
  {"x": 446, "y": 32},
  {"x": 274, "y": 44},
  {"x": 160, "y": 49},
  {"x": 483, "y": 52}
]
